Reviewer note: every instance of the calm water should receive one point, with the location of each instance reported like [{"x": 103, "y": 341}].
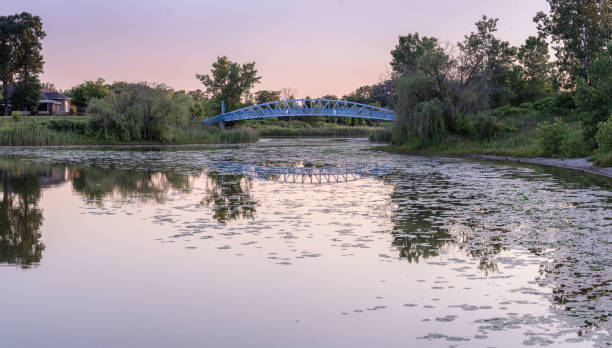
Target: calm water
[{"x": 127, "y": 247}]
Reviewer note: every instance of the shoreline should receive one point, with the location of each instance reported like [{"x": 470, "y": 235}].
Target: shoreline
[{"x": 578, "y": 164}]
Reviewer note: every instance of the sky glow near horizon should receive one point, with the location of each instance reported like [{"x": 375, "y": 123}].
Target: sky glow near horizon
[{"x": 316, "y": 47}]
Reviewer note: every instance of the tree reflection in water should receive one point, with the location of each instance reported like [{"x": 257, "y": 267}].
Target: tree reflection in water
[
  {"x": 230, "y": 197},
  {"x": 97, "y": 184},
  {"x": 20, "y": 216},
  {"x": 425, "y": 227}
]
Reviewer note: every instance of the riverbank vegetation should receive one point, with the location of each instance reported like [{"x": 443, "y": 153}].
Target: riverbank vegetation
[
  {"x": 79, "y": 130},
  {"x": 487, "y": 96}
]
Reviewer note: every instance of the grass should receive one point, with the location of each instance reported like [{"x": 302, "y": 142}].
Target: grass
[{"x": 74, "y": 130}]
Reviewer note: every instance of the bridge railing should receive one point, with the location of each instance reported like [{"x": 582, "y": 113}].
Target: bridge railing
[
  {"x": 302, "y": 175},
  {"x": 306, "y": 107}
]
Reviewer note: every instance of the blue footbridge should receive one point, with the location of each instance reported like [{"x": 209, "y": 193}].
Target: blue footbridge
[{"x": 305, "y": 107}]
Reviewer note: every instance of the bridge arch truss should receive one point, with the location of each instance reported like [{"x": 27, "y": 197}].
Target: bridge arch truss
[{"x": 306, "y": 107}]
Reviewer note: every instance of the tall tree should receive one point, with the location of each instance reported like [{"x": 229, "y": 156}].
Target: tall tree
[
  {"x": 579, "y": 29},
  {"x": 535, "y": 62},
  {"x": 230, "y": 82},
  {"x": 20, "y": 50},
  {"x": 82, "y": 94},
  {"x": 265, "y": 96},
  {"x": 26, "y": 94}
]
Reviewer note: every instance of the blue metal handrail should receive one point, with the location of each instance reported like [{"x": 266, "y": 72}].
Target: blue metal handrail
[{"x": 306, "y": 107}]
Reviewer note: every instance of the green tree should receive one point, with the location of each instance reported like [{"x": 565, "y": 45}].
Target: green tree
[
  {"x": 594, "y": 100},
  {"x": 82, "y": 94},
  {"x": 580, "y": 30},
  {"x": 265, "y": 96},
  {"x": 140, "y": 111},
  {"x": 535, "y": 62},
  {"x": 20, "y": 50},
  {"x": 229, "y": 82},
  {"x": 26, "y": 94}
]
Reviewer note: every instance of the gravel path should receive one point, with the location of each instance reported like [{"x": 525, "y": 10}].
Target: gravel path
[{"x": 580, "y": 164}]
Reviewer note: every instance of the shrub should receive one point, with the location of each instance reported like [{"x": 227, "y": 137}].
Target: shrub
[
  {"x": 487, "y": 127},
  {"x": 574, "y": 144},
  {"x": 17, "y": 116},
  {"x": 604, "y": 136},
  {"x": 428, "y": 121},
  {"x": 139, "y": 111},
  {"x": 550, "y": 136}
]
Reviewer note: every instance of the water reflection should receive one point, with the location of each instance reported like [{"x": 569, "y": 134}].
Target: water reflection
[
  {"x": 229, "y": 197},
  {"x": 513, "y": 210},
  {"x": 97, "y": 184},
  {"x": 20, "y": 216}
]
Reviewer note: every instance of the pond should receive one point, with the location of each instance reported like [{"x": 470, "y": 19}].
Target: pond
[{"x": 160, "y": 246}]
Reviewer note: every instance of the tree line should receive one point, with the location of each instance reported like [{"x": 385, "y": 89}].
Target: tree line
[{"x": 466, "y": 90}]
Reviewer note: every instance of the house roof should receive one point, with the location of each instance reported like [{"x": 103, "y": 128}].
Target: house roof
[
  {"x": 52, "y": 95},
  {"x": 45, "y": 94}
]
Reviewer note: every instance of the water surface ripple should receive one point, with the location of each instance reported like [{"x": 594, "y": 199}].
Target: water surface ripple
[{"x": 155, "y": 246}]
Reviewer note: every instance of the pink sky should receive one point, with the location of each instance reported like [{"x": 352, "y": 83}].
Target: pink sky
[{"x": 317, "y": 47}]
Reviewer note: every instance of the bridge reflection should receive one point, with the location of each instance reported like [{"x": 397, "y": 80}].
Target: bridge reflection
[{"x": 300, "y": 175}]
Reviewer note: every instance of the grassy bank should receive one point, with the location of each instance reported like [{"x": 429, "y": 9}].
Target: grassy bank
[{"x": 75, "y": 130}]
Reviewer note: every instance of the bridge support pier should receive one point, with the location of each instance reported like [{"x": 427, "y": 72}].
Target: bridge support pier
[{"x": 221, "y": 124}]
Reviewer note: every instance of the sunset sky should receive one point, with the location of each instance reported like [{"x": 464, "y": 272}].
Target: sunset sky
[{"x": 317, "y": 47}]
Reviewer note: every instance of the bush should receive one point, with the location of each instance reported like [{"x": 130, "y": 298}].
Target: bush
[
  {"x": 17, "y": 116},
  {"x": 574, "y": 144},
  {"x": 428, "y": 122},
  {"x": 139, "y": 111},
  {"x": 480, "y": 127},
  {"x": 604, "y": 136},
  {"x": 550, "y": 136}
]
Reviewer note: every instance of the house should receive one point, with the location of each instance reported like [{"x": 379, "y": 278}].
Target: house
[{"x": 51, "y": 103}]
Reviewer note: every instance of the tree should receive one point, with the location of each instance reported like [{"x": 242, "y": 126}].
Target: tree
[
  {"x": 48, "y": 85},
  {"x": 140, "y": 111},
  {"x": 20, "y": 50},
  {"x": 82, "y": 94},
  {"x": 198, "y": 95},
  {"x": 266, "y": 96},
  {"x": 26, "y": 94},
  {"x": 594, "y": 100},
  {"x": 535, "y": 62},
  {"x": 229, "y": 82},
  {"x": 580, "y": 30}
]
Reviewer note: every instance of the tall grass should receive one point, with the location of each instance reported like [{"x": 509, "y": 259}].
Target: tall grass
[
  {"x": 76, "y": 131},
  {"x": 381, "y": 135},
  {"x": 37, "y": 136}
]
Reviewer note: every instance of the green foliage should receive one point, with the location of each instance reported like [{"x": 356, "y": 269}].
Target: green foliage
[
  {"x": 535, "y": 62},
  {"x": 604, "y": 136},
  {"x": 264, "y": 96},
  {"x": 31, "y": 133},
  {"x": 594, "y": 99},
  {"x": 17, "y": 116},
  {"x": 574, "y": 144},
  {"x": 551, "y": 135},
  {"x": 139, "y": 111},
  {"x": 580, "y": 30},
  {"x": 27, "y": 94},
  {"x": 481, "y": 127},
  {"x": 229, "y": 82},
  {"x": 428, "y": 122},
  {"x": 381, "y": 135},
  {"x": 84, "y": 93},
  {"x": 20, "y": 50}
]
